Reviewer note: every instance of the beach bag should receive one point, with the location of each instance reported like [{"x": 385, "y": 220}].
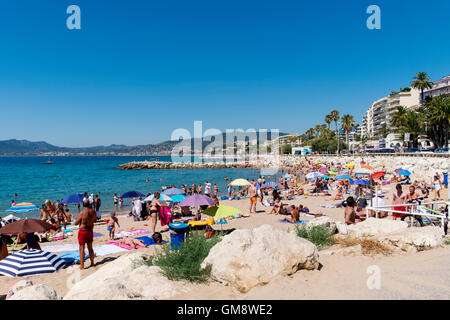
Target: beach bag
[{"x": 157, "y": 237}]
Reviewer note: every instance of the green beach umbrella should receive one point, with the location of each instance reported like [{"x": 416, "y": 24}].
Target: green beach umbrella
[{"x": 221, "y": 211}]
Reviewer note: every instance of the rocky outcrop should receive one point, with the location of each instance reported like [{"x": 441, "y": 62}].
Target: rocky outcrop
[
  {"x": 375, "y": 227},
  {"x": 248, "y": 258},
  {"x": 123, "y": 279},
  {"x": 323, "y": 221},
  {"x": 35, "y": 292},
  {"x": 135, "y": 165},
  {"x": 414, "y": 239}
]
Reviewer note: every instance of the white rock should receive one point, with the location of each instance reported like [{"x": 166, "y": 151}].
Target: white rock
[
  {"x": 375, "y": 227},
  {"x": 123, "y": 279},
  {"x": 36, "y": 292},
  {"x": 247, "y": 258},
  {"x": 341, "y": 227},
  {"x": 323, "y": 221},
  {"x": 415, "y": 238}
]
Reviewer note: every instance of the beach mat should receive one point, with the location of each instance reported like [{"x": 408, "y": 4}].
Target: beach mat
[
  {"x": 148, "y": 240},
  {"x": 130, "y": 233},
  {"x": 60, "y": 247},
  {"x": 299, "y": 222},
  {"x": 102, "y": 250},
  {"x": 96, "y": 234}
]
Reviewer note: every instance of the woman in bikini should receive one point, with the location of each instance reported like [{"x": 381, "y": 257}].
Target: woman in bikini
[
  {"x": 155, "y": 205},
  {"x": 349, "y": 212},
  {"x": 398, "y": 198}
]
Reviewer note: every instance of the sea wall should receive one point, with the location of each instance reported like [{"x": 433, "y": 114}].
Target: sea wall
[{"x": 140, "y": 165}]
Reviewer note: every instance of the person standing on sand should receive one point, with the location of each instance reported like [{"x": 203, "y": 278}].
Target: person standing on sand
[
  {"x": 86, "y": 220},
  {"x": 437, "y": 187},
  {"x": 252, "y": 194},
  {"x": 398, "y": 198},
  {"x": 155, "y": 205},
  {"x": 97, "y": 205}
]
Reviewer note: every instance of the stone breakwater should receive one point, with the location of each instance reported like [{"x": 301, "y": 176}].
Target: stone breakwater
[{"x": 140, "y": 165}]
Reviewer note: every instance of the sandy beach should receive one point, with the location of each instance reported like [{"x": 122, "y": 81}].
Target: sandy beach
[{"x": 422, "y": 275}]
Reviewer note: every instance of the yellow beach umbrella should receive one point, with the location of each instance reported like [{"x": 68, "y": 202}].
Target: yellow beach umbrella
[
  {"x": 240, "y": 183},
  {"x": 318, "y": 162},
  {"x": 332, "y": 172},
  {"x": 221, "y": 211},
  {"x": 350, "y": 165}
]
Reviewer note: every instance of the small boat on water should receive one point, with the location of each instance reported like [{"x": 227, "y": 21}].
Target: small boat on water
[{"x": 47, "y": 162}]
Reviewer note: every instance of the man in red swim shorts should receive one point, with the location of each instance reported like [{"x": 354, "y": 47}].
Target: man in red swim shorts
[{"x": 86, "y": 220}]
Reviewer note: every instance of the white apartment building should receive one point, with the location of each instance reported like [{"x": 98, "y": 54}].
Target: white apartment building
[
  {"x": 440, "y": 87},
  {"x": 381, "y": 111}
]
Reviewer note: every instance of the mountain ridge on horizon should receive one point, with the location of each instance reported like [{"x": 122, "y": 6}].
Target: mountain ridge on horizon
[{"x": 17, "y": 147}]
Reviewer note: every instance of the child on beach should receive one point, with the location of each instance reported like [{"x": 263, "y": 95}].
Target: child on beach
[{"x": 112, "y": 225}]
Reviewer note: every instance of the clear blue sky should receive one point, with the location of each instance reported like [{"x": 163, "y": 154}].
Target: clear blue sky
[{"x": 139, "y": 69}]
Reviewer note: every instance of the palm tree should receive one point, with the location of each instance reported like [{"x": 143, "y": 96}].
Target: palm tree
[
  {"x": 328, "y": 120},
  {"x": 335, "y": 117},
  {"x": 317, "y": 129},
  {"x": 310, "y": 132},
  {"x": 347, "y": 124},
  {"x": 399, "y": 118},
  {"x": 437, "y": 117},
  {"x": 413, "y": 125},
  {"x": 421, "y": 82}
]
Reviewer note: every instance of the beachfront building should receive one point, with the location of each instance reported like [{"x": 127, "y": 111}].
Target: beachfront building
[
  {"x": 439, "y": 87},
  {"x": 379, "y": 115}
]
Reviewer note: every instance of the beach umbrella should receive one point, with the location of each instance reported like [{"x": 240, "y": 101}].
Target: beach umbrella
[
  {"x": 325, "y": 177},
  {"x": 323, "y": 168},
  {"x": 367, "y": 167},
  {"x": 132, "y": 194},
  {"x": 173, "y": 191},
  {"x": 221, "y": 211},
  {"x": 287, "y": 176},
  {"x": 399, "y": 169},
  {"x": 271, "y": 184},
  {"x": 361, "y": 182},
  {"x": 240, "y": 183},
  {"x": 343, "y": 177},
  {"x": 162, "y": 197},
  {"x": 26, "y": 226},
  {"x": 196, "y": 200},
  {"x": 404, "y": 173},
  {"x": 378, "y": 175},
  {"x": 318, "y": 162},
  {"x": 350, "y": 165},
  {"x": 364, "y": 171},
  {"x": 178, "y": 197},
  {"x": 313, "y": 175},
  {"x": 22, "y": 207},
  {"x": 333, "y": 172},
  {"x": 73, "y": 198},
  {"x": 30, "y": 262}
]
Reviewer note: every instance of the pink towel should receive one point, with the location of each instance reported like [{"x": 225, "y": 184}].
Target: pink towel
[
  {"x": 123, "y": 245},
  {"x": 165, "y": 216}
]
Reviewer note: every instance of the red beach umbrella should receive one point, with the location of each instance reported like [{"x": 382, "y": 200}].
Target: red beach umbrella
[{"x": 377, "y": 175}]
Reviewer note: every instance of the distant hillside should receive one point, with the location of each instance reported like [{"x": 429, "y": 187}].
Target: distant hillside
[{"x": 15, "y": 147}]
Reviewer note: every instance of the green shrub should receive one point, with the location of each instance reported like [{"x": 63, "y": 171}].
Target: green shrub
[
  {"x": 184, "y": 263},
  {"x": 321, "y": 236}
]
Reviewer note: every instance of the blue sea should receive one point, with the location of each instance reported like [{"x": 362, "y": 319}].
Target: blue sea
[{"x": 35, "y": 182}]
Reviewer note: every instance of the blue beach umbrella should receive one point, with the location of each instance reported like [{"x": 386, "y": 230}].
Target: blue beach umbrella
[
  {"x": 361, "y": 182},
  {"x": 73, "y": 198},
  {"x": 343, "y": 177},
  {"x": 132, "y": 194},
  {"x": 162, "y": 197},
  {"x": 271, "y": 184},
  {"x": 404, "y": 173},
  {"x": 173, "y": 191},
  {"x": 178, "y": 197},
  {"x": 22, "y": 207},
  {"x": 30, "y": 262},
  {"x": 325, "y": 177}
]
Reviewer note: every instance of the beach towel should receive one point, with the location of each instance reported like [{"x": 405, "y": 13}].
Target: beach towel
[
  {"x": 123, "y": 245},
  {"x": 106, "y": 249},
  {"x": 96, "y": 234},
  {"x": 131, "y": 233},
  {"x": 299, "y": 222},
  {"x": 60, "y": 247},
  {"x": 165, "y": 216},
  {"x": 72, "y": 257},
  {"x": 148, "y": 240}
]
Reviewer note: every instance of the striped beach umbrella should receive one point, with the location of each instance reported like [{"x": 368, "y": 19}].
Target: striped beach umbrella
[
  {"x": 30, "y": 262},
  {"x": 22, "y": 207},
  {"x": 162, "y": 197}
]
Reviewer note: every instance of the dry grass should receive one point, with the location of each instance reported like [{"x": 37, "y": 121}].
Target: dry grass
[{"x": 369, "y": 246}]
